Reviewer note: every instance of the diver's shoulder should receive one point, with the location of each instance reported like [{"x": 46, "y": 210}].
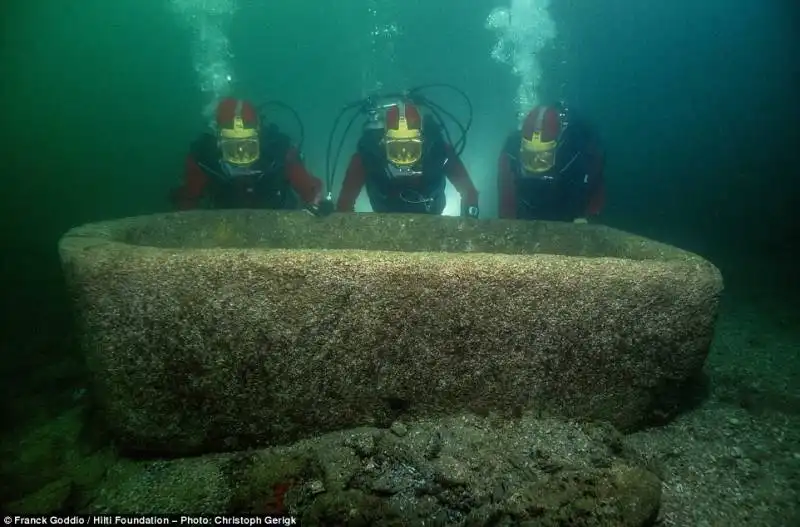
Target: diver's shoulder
[
  {"x": 512, "y": 140},
  {"x": 203, "y": 144}
]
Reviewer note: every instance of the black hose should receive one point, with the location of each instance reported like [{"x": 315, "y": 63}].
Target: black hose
[
  {"x": 294, "y": 113},
  {"x": 462, "y": 140},
  {"x": 329, "y": 170},
  {"x": 328, "y": 174},
  {"x": 455, "y": 89},
  {"x": 339, "y": 150}
]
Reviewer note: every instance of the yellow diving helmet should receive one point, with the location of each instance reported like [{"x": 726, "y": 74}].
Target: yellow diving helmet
[
  {"x": 540, "y": 133},
  {"x": 238, "y": 126},
  {"x": 403, "y": 135}
]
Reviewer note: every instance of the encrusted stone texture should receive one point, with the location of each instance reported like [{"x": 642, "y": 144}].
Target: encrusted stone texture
[{"x": 218, "y": 330}]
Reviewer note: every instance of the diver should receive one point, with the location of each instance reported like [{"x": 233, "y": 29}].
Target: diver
[
  {"x": 244, "y": 165},
  {"x": 551, "y": 169},
  {"x": 404, "y": 160}
]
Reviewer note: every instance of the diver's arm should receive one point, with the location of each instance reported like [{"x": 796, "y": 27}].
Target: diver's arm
[
  {"x": 352, "y": 185},
  {"x": 195, "y": 181},
  {"x": 596, "y": 182},
  {"x": 506, "y": 189},
  {"x": 459, "y": 177},
  {"x": 308, "y": 187}
]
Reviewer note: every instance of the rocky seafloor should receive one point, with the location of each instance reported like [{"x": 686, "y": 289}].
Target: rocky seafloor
[{"x": 734, "y": 460}]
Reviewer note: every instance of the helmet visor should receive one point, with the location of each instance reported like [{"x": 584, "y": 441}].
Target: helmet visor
[
  {"x": 239, "y": 152},
  {"x": 538, "y": 162},
  {"x": 403, "y": 152}
]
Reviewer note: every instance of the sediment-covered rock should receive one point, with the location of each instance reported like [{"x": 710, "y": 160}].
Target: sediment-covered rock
[{"x": 216, "y": 330}]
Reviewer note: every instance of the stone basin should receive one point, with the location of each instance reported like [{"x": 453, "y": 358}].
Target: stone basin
[{"x": 220, "y": 330}]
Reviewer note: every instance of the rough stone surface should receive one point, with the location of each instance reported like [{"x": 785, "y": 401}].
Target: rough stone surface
[
  {"x": 219, "y": 330},
  {"x": 488, "y": 472}
]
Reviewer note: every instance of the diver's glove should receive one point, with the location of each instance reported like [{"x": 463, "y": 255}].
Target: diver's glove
[
  {"x": 321, "y": 209},
  {"x": 470, "y": 212}
]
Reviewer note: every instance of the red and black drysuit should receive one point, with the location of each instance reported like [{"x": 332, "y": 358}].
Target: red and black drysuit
[
  {"x": 573, "y": 188},
  {"x": 278, "y": 179},
  {"x": 419, "y": 190}
]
